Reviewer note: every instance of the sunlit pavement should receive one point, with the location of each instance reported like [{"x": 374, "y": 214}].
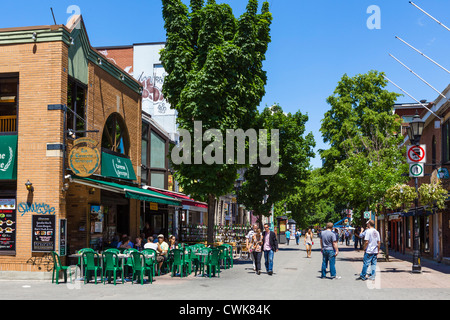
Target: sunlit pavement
[{"x": 295, "y": 277}]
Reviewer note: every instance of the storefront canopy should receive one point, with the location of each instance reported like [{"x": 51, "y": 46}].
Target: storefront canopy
[
  {"x": 185, "y": 200},
  {"x": 129, "y": 192}
]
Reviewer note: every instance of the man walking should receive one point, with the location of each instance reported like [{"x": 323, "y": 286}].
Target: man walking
[
  {"x": 330, "y": 250},
  {"x": 371, "y": 248},
  {"x": 270, "y": 246},
  {"x": 288, "y": 236}
]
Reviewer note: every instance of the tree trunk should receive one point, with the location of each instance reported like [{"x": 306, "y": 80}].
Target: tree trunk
[{"x": 211, "y": 218}]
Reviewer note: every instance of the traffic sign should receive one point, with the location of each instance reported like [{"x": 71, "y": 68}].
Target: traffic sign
[
  {"x": 416, "y": 154},
  {"x": 416, "y": 170}
]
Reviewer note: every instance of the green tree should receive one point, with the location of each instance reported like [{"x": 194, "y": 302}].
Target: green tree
[
  {"x": 259, "y": 192},
  {"x": 214, "y": 65},
  {"x": 364, "y": 159}
]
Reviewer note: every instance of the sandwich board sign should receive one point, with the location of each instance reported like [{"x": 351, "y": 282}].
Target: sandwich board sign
[
  {"x": 416, "y": 154},
  {"x": 416, "y": 170}
]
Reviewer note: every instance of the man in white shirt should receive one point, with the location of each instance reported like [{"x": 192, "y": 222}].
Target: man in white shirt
[{"x": 371, "y": 249}]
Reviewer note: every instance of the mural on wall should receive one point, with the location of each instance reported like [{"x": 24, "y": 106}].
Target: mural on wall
[{"x": 152, "y": 90}]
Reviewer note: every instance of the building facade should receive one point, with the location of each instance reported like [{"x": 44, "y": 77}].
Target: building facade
[{"x": 70, "y": 147}]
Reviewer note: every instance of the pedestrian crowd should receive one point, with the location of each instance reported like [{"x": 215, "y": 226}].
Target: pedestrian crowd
[{"x": 368, "y": 239}]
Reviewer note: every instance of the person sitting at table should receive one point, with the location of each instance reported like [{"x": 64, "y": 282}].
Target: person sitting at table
[
  {"x": 125, "y": 243},
  {"x": 150, "y": 244},
  {"x": 163, "y": 249},
  {"x": 139, "y": 244},
  {"x": 172, "y": 243}
]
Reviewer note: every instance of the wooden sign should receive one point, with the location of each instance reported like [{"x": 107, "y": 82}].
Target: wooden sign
[{"x": 84, "y": 159}]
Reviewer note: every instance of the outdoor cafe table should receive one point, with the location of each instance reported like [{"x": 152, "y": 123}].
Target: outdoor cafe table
[{"x": 121, "y": 256}]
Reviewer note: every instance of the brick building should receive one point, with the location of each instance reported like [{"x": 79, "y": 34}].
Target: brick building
[
  {"x": 434, "y": 225},
  {"x": 58, "y": 94}
]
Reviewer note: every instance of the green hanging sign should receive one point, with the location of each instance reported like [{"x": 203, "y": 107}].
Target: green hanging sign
[
  {"x": 117, "y": 167},
  {"x": 8, "y": 157}
]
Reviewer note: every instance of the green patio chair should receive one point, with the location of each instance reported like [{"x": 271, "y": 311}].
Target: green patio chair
[
  {"x": 93, "y": 264},
  {"x": 202, "y": 259},
  {"x": 178, "y": 262},
  {"x": 213, "y": 263},
  {"x": 230, "y": 254},
  {"x": 111, "y": 264},
  {"x": 57, "y": 267},
  {"x": 151, "y": 262},
  {"x": 128, "y": 264},
  {"x": 140, "y": 268}
]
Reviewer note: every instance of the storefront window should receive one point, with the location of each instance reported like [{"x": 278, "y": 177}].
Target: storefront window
[
  {"x": 157, "y": 180},
  {"x": 76, "y": 105},
  {"x": 158, "y": 152},
  {"x": 9, "y": 89}
]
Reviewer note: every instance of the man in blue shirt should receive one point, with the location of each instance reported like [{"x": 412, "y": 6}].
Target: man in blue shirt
[{"x": 329, "y": 249}]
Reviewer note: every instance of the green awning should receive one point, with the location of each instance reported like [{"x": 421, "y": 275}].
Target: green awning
[
  {"x": 134, "y": 192},
  {"x": 117, "y": 167},
  {"x": 8, "y": 157}
]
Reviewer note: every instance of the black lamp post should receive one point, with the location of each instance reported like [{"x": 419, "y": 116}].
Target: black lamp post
[{"x": 415, "y": 131}]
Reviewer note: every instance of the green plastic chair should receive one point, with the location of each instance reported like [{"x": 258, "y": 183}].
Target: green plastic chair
[
  {"x": 151, "y": 262},
  {"x": 178, "y": 262},
  {"x": 192, "y": 259},
  {"x": 213, "y": 263},
  {"x": 202, "y": 259},
  {"x": 230, "y": 254},
  {"x": 140, "y": 268},
  {"x": 225, "y": 256},
  {"x": 128, "y": 265},
  {"x": 81, "y": 251},
  {"x": 57, "y": 267},
  {"x": 92, "y": 265},
  {"x": 111, "y": 264}
]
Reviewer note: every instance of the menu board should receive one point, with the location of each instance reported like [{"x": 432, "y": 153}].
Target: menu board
[
  {"x": 8, "y": 231},
  {"x": 43, "y": 237}
]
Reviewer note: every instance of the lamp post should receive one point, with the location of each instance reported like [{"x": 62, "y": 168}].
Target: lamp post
[{"x": 415, "y": 131}]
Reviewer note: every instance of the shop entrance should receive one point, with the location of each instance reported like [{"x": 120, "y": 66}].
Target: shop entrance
[{"x": 156, "y": 218}]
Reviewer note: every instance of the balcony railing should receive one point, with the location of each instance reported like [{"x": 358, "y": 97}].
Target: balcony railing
[{"x": 8, "y": 123}]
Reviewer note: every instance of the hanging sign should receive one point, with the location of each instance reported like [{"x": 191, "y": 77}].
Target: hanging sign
[
  {"x": 84, "y": 159},
  {"x": 416, "y": 154}
]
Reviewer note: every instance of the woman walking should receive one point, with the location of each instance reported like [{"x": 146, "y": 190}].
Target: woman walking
[
  {"x": 308, "y": 242},
  {"x": 256, "y": 246}
]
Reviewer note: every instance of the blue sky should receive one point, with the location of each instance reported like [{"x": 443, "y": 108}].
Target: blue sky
[{"x": 313, "y": 43}]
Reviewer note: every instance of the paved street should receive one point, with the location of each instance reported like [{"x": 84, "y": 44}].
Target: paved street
[{"x": 295, "y": 277}]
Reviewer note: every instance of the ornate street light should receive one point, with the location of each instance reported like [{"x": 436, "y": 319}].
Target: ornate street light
[{"x": 415, "y": 131}]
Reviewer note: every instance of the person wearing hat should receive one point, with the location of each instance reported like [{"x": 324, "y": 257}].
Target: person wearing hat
[
  {"x": 163, "y": 249},
  {"x": 371, "y": 249}
]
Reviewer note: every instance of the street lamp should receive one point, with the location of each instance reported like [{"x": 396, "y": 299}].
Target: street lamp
[{"x": 415, "y": 131}]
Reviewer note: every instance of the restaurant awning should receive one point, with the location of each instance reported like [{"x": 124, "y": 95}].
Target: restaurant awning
[
  {"x": 186, "y": 201},
  {"x": 128, "y": 191}
]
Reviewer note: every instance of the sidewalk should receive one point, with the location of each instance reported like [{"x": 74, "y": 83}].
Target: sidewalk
[{"x": 397, "y": 272}]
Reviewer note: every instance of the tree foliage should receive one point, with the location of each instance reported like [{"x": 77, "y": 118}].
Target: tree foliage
[{"x": 214, "y": 66}]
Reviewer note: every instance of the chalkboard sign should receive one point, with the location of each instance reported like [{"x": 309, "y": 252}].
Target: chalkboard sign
[
  {"x": 8, "y": 230},
  {"x": 43, "y": 237}
]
